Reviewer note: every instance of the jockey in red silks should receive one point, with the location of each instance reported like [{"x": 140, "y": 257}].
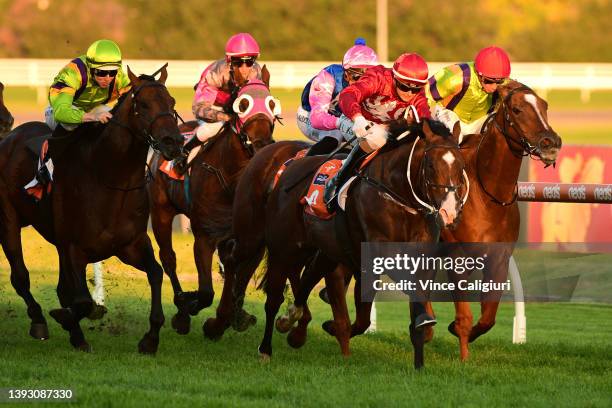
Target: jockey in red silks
[
  {"x": 380, "y": 96},
  {"x": 213, "y": 90}
]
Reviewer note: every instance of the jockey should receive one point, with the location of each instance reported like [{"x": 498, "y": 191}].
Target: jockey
[
  {"x": 467, "y": 92},
  {"x": 82, "y": 89},
  {"x": 212, "y": 92},
  {"x": 319, "y": 116},
  {"x": 381, "y": 95}
]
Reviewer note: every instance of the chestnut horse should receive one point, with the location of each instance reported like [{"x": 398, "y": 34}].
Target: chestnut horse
[
  {"x": 207, "y": 194},
  {"x": 6, "y": 119},
  {"x": 519, "y": 127},
  {"x": 382, "y": 206},
  {"x": 98, "y": 206}
]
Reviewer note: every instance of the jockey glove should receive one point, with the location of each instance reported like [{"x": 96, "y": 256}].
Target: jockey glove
[
  {"x": 361, "y": 126},
  {"x": 345, "y": 126}
]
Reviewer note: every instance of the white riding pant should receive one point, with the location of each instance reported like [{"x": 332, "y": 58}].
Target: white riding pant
[
  {"x": 303, "y": 123},
  {"x": 449, "y": 118}
]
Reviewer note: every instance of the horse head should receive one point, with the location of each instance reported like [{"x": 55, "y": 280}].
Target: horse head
[
  {"x": 442, "y": 179},
  {"x": 256, "y": 111},
  {"x": 6, "y": 119},
  {"x": 522, "y": 118},
  {"x": 149, "y": 110}
]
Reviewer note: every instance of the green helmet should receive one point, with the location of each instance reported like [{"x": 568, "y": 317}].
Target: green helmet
[{"x": 104, "y": 54}]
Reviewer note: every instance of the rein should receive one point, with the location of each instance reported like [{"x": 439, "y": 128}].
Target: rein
[{"x": 526, "y": 149}]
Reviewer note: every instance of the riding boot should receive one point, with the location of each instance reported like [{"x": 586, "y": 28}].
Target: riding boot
[
  {"x": 42, "y": 173},
  {"x": 180, "y": 164},
  {"x": 323, "y": 146},
  {"x": 348, "y": 166}
]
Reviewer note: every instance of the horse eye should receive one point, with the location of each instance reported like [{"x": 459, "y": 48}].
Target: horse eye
[
  {"x": 516, "y": 111},
  {"x": 272, "y": 105},
  {"x": 244, "y": 104},
  {"x": 144, "y": 105}
]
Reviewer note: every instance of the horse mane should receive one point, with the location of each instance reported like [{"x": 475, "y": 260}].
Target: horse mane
[{"x": 397, "y": 127}]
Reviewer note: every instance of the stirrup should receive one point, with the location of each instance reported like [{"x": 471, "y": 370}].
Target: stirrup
[{"x": 43, "y": 176}]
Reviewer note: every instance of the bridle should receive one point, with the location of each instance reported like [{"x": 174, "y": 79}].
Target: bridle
[
  {"x": 146, "y": 134},
  {"x": 525, "y": 148},
  {"x": 429, "y": 205}
]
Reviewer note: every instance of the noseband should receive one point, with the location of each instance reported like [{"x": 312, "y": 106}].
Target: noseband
[{"x": 147, "y": 135}]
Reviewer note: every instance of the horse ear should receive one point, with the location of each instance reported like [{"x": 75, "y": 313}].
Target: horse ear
[
  {"x": 265, "y": 76},
  {"x": 133, "y": 78},
  {"x": 427, "y": 131},
  {"x": 163, "y": 76},
  {"x": 457, "y": 131}
]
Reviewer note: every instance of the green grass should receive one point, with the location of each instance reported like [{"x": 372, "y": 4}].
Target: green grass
[{"x": 566, "y": 361}]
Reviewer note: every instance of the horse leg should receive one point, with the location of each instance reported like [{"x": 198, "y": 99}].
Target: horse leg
[
  {"x": 297, "y": 335},
  {"x": 215, "y": 327},
  {"x": 429, "y": 330},
  {"x": 276, "y": 277},
  {"x": 461, "y": 327},
  {"x": 334, "y": 282},
  {"x": 73, "y": 294},
  {"x": 488, "y": 311},
  {"x": 315, "y": 271},
  {"x": 20, "y": 276},
  {"x": 417, "y": 333},
  {"x": 245, "y": 268},
  {"x": 203, "y": 249},
  {"x": 161, "y": 221},
  {"x": 139, "y": 254}
]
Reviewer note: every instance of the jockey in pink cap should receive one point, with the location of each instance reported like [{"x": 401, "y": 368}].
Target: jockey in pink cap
[
  {"x": 212, "y": 93},
  {"x": 319, "y": 116}
]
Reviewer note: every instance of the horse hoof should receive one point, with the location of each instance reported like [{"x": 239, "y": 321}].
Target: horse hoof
[
  {"x": 324, "y": 296},
  {"x": 64, "y": 317},
  {"x": 211, "y": 329},
  {"x": 97, "y": 312},
  {"x": 264, "y": 357},
  {"x": 243, "y": 321},
  {"x": 181, "y": 323},
  {"x": 424, "y": 320},
  {"x": 451, "y": 329},
  {"x": 148, "y": 345},
  {"x": 39, "y": 331},
  {"x": 83, "y": 346},
  {"x": 283, "y": 324},
  {"x": 329, "y": 327},
  {"x": 296, "y": 338}
]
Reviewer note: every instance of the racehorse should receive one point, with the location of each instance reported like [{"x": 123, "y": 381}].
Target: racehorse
[
  {"x": 6, "y": 119},
  {"x": 519, "y": 127},
  {"x": 207, "y": 193},
  {"x": 246, "y": 247},
  {"x": 383, "y": 205},
  {"x": 98, "y": 206}
]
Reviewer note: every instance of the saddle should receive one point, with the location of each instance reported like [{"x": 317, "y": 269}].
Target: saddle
[{"x": 313, "y": 201}]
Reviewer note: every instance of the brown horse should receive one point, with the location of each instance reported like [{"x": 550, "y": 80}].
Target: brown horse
[
  {"x": 98, "y": 206},
  {"x": 382, "y": 206},
  {"x": 246, "y": 248},
  {"x": 207, "y": 194},
  {"x": 518, "y": 128},
  {"x": 6, "y": 119}
]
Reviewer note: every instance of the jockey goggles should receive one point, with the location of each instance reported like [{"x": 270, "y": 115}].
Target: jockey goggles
[
  {"x": 238, "y": 61},
  {"x": 488, "y": 81},
  {"x": 354, "y": 73},
  {"x": 104, "y": 73},
  {"x": 408, "y": 87}
]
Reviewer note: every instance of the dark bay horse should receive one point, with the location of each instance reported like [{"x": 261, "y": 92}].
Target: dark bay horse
[
  {"x": 246, "y": 247},
  {"x": 6, "y": 119},
  {"x": 519, "y": 127},
  {"x": 215, "y": 171},
  {"x": 383, "y": 206},
  {"x": 98, "y": 206}
]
